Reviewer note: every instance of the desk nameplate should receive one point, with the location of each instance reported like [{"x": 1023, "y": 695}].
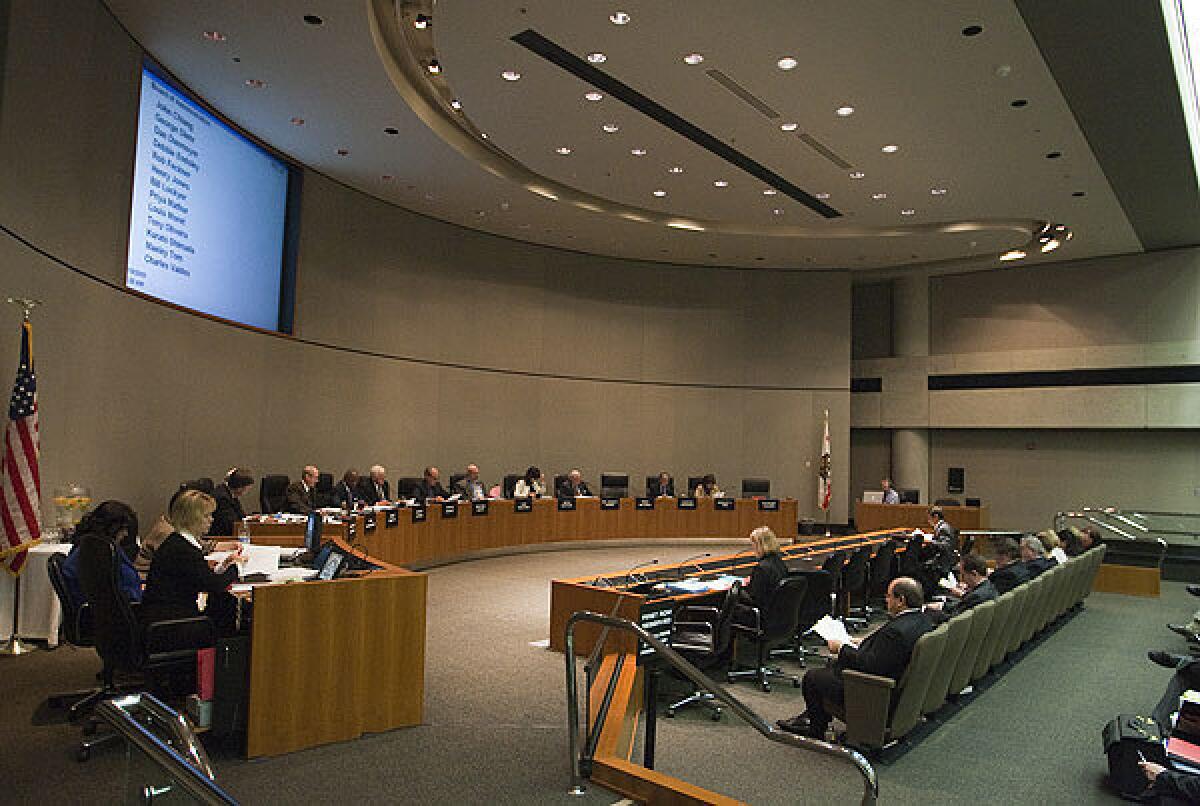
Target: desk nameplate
[
  {"x": 724, "y": 504},
  {"x": 523, "y": 505},
  {"x": 449, "y": 509},
  {"x": 419, "y": 514},
  {"x": 768, "y": 505},
  {"x": 610, "y": 504},
  {"x": 685, "y": 503},
  {"x": 566, "y": 505},
  {"x": 479, "y": 507},
  {"x": 644, "y": 503}
]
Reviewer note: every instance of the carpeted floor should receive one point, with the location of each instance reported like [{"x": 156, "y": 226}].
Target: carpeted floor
[{"x": 495, "y": 715}]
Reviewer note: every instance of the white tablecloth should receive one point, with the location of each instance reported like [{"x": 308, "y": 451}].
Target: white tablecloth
[{"x": 40, "y": 613}]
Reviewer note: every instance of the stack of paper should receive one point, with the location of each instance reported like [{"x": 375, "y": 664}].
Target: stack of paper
[{"x": 832, "y": 629}]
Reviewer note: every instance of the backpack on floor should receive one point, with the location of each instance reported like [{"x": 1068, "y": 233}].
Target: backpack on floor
[{"x": 1125, "y": 737}]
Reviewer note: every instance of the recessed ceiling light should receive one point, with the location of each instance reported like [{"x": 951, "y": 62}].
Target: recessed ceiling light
[
  {"x": 789, "y": 127},
  {"x": 597, "y": 58},
  {"x": 660, "y": 193},
  {"x": 313, "y": 19},
  {"x": 845, "y": 111},
  {"x": 422, "y": 21},
  {"x": 1012, "y": 254},
  {"x": 778, "y": 211},
  {"x": 619, "y": 18},
  {"x": 890, "y": 149},
  {"x": 391, "y": 130},
  {"x": 675, "y": 169},
  {"x": 857, "y": 174},
  {"x": 720, "y": 183},
  {"x": 214, "y": 36},
  {"x": 343, "y": 152},
  {"x": 908, "y": 211},
  {"x": 611, "y": 127},
  {"x": 436, "y": 68},
  {"x": 510, "y": 75},
  {"x": 638, "y": 152},
  {"x": 455, "y": 104},
  {"x": 822, "y": 196},
  {"x": 786, "y": 63},
  {"x": 562, "y": 150},
  {"x": 937, "y": 191},
  {"x": 693, "y": 58},
  {"x": 255, "y": 83},
  {"x": 297, "y": 121},
  {"x": 972, "y": 30},
  {"x": 769, "y": 191},
  {"x": 878, "y": 196},
  {"x": 594, "y": 96}
]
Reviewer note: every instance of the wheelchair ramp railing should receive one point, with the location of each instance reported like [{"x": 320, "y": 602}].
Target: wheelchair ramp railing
[
  {"x": 583, "y": 739},
  {"x": 1135, "y": 536},
  {"x": 165, "y": 761}
]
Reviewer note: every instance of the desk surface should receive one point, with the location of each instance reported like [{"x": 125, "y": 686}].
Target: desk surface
[{"x": 870, "y": 517}]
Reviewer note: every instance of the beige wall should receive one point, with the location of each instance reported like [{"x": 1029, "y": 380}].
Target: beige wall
[{"x": 476, "y": 348}]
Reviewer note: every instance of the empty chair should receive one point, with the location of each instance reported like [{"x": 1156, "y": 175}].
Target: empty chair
[
  {"x": 964, "y": 669},
  {"x": 991, "y": 642},
  {"x": 272, "y": 493},
  {"x": 769, "y": 627},
  {"x": 947, "y": 502},
  {"x": 854, "y": 582},
  {"x": 756, "y": 487},
  {"x": 693, "y": 483},
  {"x": 614, "y": 485},
  {"x": 702, "y": 634},
  {"x": 817, "y": 603},
  {"x": 908, "y": 562},
  {"x": 455, "y": 478},
  {"x": 510, "y": 484},
  {"x": 406, "y": 486},
  {"x": 324, "y": 490},
  {"x": 881, "y": 573},
  {"x": 958, "y": 630},
  {"x": 833, "y": 565}
]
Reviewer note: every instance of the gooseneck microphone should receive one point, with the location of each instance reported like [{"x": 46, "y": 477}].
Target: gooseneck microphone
[
  {"x": 692, "y": 562},
  {"x": 629, "y": 574}
]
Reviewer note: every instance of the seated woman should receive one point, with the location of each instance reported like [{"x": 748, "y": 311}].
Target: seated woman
[
  {"x": 769, "y": 572},
  {"x": 117, "y": 523},
  {"x": 531, "y": 486},
  {"x": 179, "y": 572},
  {"x": 707, "y": 488},
  {"x": 161, "y": 529}
]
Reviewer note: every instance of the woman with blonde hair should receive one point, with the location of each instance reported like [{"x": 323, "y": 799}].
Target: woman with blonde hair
[{"x": 179, "y": 572}]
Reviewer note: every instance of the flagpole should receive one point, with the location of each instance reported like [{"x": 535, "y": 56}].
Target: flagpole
[
  {"x": 14, "y": 645},
  {"x": 829, "y": 479}
]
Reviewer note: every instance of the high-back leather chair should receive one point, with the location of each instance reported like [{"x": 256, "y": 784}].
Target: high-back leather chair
[
  {"x": 770, "y": 626},
  {"x": 324, "y": 490},
  {"x": 855, "y": 579},
  {"x": 76, "y": 630},
  {"x": 881, "y": 571},
  {"x": 702, "y": 634},
  {"x": 510, "y": 484},
  {"x": 272, "y": 493}
]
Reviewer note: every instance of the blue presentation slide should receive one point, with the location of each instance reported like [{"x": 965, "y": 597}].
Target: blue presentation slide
[{"x": 206, "y": 228}]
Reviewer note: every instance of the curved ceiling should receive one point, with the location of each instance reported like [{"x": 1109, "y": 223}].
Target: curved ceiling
[{"x": 915, "y": 80}]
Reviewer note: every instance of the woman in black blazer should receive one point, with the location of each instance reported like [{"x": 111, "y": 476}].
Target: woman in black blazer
[{"x": 179, "y": 572}]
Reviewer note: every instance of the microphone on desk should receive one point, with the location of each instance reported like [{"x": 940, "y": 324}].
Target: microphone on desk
[
  {"x": 629, "y": 573},
  {"x": 692, "y": 561}
]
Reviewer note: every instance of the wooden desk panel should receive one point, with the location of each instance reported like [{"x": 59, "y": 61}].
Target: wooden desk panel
[
  {"x": 440, "y": 538},
  {"x": 876, "y": 517}
]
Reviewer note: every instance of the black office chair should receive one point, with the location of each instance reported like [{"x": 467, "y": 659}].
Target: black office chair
[
  {"x": 204, "y": 484},
  {"x": 406, "y": 486},
  {"x": 854, "y": 586},
  {"x": 326, "y": 497},
  {"x": 816, "y": 604},
  {"x": 156, "y": 650},
  {"x": 833, "y": 565},
  {"x": 702, "y": 634},
  {"x": 558, "y": 482},
  {"x": 756, "y": 487},
  {"x": 909, "y": 563},
  {"x": 510, "y": 484},
  {"x": 652, "y": 487},
  {"x": 768, "y": 628},
  {"x": 614, "y": 485},
  {"x": 272, "y": 493},
  {"x": 947, "y": 502},
  {"x": 910, "y": 496},
  {"x": 455, "y": 478},
  {"x": 881, "y": 574}
]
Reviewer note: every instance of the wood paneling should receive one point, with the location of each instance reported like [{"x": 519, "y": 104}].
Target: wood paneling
[{"x": 876, "y": 517}]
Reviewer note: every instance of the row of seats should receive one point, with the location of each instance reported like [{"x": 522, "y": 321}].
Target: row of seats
[
  {"x": 962, "y": 652},
  {"x": 273, "y": 488}
]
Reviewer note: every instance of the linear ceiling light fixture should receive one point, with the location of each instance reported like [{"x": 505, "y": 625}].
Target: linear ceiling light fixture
[
  {"x": 1182, "y": 19},
  {"x": 555, "y": 54}
]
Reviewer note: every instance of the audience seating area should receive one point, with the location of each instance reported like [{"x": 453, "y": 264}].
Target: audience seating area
[{"x": 962, "y": 652}]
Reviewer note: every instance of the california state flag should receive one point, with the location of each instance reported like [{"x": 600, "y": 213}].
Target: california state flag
[{"x": 824, "y": 478}]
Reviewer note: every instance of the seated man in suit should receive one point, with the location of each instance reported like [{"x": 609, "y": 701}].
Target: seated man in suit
[
  {"x": 890, "y": 496},
  {"x": 663, "y": 488},
  {"x": 346, "y": 490},
  {"x": 470, "y": 487},
  {"x": 375, "y": 488},
  {"x": 885, "y": 652},
  {"x": 945, "y": 535},
  {"x": 301, "y": 496},
  {"x": 573, "y": 485},
  {"x": 1010, "y": 571},
  {"x": 976, "y": 589},
  {"x": 229, "y": 513},
  {"x": 1033, "y": 555},
  {"x": 430, "y": 487}
]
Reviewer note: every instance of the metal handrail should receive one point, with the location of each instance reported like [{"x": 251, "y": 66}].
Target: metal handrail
[
  {"x": 702, "y": 682},
  {"x": 1090, "y": 514},
  {"x": 188, "y": 764}
]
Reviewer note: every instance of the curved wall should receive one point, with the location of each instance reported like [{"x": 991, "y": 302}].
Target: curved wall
[{"x": 416, "y": 341}]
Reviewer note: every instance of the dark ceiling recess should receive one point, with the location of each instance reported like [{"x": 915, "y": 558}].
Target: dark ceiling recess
[{"x": 604, "y": 82}]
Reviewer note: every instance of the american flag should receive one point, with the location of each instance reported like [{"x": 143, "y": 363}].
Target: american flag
[{"x": 20, "y": 486}]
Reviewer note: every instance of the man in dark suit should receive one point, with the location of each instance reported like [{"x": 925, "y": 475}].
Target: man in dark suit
[
  {"x": 1010, "y": 572},
  {"x": 976, "y": 589},
  {"x": 885, "y": 652},
  {"x": 301, "y": 496},
  {"x": 430, "y": 486},
  {"x": 347, "y": 490},
  {"x": 664, "y": 487},
  {"x": 229, "y": 513},
  {"x": 375, "y": 488},
  {"x": 471, "y": 487},
  {"x": 1033, "y": 556},
  {"x": 573, "y": 485}
]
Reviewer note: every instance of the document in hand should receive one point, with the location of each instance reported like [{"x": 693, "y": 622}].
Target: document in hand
[
  {"x": 832, "y": 629},
  {"x": 948, "y": 581}
]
